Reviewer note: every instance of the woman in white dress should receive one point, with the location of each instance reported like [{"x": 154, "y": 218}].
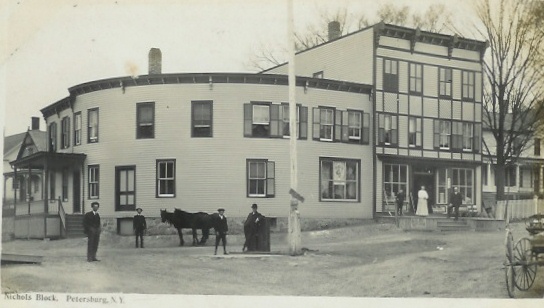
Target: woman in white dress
[{"x": 422, "y": 197}]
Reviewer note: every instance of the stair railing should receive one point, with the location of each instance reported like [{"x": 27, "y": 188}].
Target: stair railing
[{"x": 62, "y": 215}]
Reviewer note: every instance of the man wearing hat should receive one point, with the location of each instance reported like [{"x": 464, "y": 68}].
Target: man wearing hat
[
  {"x": 221, "y": 228},
  {"x": 139, "y": 226},
  {"x": 251, "y": 228},
  {"x": 92, "y": 228}
]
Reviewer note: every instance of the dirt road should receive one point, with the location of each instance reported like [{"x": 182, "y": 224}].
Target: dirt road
[{"x": 371, "y": 260}]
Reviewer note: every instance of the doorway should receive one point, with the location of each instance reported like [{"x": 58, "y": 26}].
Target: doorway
[
  {"x": 423, "y": 177},
  {"x": 77, "y": 192}
]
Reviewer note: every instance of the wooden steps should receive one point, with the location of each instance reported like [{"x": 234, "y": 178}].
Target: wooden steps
[
  {"x": 21, "y": 259},
  {"x": 452, "y": 225},
  {"x": 74, "y": 225}
]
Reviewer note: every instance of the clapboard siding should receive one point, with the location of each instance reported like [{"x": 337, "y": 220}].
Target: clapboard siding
[
  {"x": 349, "y": 58},
  {"x": 211, "y": 172}
]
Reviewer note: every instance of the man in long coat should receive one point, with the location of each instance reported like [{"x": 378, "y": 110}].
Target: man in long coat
[
  {"x": 221, "y": 228},
  {"x": 251, "y": 228},
  {"x": 92, "y": 228},
  {"x": 139, "y": 225}
]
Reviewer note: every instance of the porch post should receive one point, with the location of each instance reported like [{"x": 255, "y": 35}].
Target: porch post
[
  {"x": 82, "y": 183},
  {"x": 28, "y": 186},
  {"x": 46, "y": 185},
  {"x": 14, "y": 187}
]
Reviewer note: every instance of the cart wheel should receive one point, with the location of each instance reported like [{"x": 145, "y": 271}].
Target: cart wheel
[
  {"x": 525, "y": 269},
  {"x": 508, "y": 267}
]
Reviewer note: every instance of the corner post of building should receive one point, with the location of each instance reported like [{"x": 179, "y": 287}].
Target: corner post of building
[
  {"x": 45, "y": 186},
  {"x": 29, "y": 187},
  {"x": 82, "y": 184}
]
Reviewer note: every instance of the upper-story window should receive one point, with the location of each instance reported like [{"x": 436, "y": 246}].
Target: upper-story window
[
  {"x": 65, "y": 133},
  {"x": 53, "y": 137},
  {"x": 445, "y": 82},
  {"x": 390, "y": 75},
  {"x": 468, "y": 136},
  {"x": 537, "y": 147},
  {"x": 387, "y": 129},
  {"x": 92, "y": 125},
  {"x": 350, "y": 126},
  {"x": 414, "y": 132},
  {"x": 468, "y": 85},
  {"x": 272, "y": 120},
  {"x": 416, "y": 78},
  {"x": 77, "y": 128},
  {"x": 145, "y": 126},
  {"x": 318, "y": 74},
  {"x": 442, "y": 134},
  {"x": 202, "y": 118}
]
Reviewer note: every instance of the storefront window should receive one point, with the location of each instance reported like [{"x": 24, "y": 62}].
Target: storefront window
[
  {"x": 463, "y": 179},
  {"x": 394, "y": 179},
  {"x": 442, "y": 186}
]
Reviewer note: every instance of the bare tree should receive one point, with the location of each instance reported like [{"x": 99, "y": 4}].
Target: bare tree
[
  {"x": 434, "y": 19},
  {"x": 513, "y": 88}
]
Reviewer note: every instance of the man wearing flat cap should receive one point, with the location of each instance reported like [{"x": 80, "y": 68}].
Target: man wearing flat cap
[
  {"x": 251, "y": 228},
  {"x": 139, "y": 226},
  {"x": 221, "y": 228}
]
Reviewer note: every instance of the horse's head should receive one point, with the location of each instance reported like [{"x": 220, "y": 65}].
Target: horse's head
[{"x": 163, "y": 215}]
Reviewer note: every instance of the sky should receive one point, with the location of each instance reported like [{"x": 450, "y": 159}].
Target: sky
[{"x": 50, "y": 46}]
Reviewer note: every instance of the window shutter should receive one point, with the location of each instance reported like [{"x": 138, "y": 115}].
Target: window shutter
[
  {"x": 345, "y": 130},
  {"x": 436, "y": 139},
  {"x": 303, "y": 124},
  {"x": 337, "y": 125},
  {"x": 275, "y": 127},
  {"x": 477, "y": 140},
  {"x": 316, "y": 123},
  {"x": 247, "y": 120},
  {"x": 381, "y": 129},
  {"x": 394, "y": 130},
  {"x": 270, "y": 179},
  {"x": 366, "y": 131}
]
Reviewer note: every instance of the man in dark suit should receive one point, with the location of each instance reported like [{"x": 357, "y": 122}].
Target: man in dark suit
[
  {"x": 92, "y": 228},
  {"x": 251, "y": 228},
  {"x": 400, "y": 201},
  {"x": 139, "y": 225},
  {"x": 456, "y": 199},
  {"x": 221, "y": 228}
]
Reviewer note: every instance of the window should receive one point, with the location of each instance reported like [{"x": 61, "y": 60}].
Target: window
[
  {"x": 145, "y": 128},
  {"x": 65, "y": 185},
  {"x": 442, "y": 134},
  {"x": 318, "y": 74},
  {"x": 202, "y": 119},
  {"x": 387, "y": 129},
  {"x": 77, "y": 128},
  {"x": 272, "y": 120},
  {"x": 166, "y": 178},
  {"x": 355, "y": 121},
  {"x": 443, "y": 196},
  {"x": 414, "y": 132},
  {"x": 94, "y": 180},
  {"x": 125, "y": 188},
  {"x": 526, "y": 177},
  {"x": 416, "y": 78},
  {"x": 390, "y": 76},
  {"x": 537, "y": 147},
  {"x": 485, "y": 174},
  {"x": 260, "y": 178},
  {"x": 339, "y": 180},
  {"x": 92, "y": 126},
  {"x": 445, "y": 82},
  {"x": 468, "y": 85},
  {"x": 395, "y": 178},
  {"x": 284, "y": 110},
  {"x": 510, "y": 175},
  {"x": 463, "y": 179},
  {"x": 53, "y": 137},
  {"x": 468, "y": 136},
  {"x": 65, "y": 134},
  {"x": 326, "y": 121}
]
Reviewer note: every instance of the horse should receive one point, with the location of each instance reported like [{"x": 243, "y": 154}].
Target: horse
[{"x": 184, "y": 220}]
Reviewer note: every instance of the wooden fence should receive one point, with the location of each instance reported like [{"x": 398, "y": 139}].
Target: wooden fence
[{"x": 518, "y": 209}]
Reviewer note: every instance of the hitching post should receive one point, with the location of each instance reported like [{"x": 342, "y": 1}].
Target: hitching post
[{"x": 294, "y": 216}]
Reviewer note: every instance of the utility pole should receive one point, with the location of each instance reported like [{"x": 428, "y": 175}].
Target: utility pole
[{"x": 294, "y": 216}]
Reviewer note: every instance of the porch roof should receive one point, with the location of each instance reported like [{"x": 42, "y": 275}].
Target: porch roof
[
  {"x": 430, "y": 161},
  {"x": 52, "y": 159}
]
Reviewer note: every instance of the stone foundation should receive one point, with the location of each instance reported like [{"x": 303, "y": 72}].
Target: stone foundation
[{"x": 236, "y": 225}]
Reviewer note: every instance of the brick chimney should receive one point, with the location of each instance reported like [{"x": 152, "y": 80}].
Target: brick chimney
[
  {"x": 334, "y": 30},
  {"x": 155, "y": 61},
  {"x": 35, "y": 123}
]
